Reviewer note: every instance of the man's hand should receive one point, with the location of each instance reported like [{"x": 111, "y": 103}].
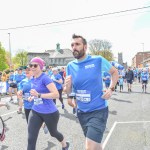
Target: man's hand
[
  {"x": 68, "y": 84},
  {"x": 107, "y": 94}
]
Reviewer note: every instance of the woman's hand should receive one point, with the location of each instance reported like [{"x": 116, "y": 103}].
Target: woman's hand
[{"x": 33, "y": 92}]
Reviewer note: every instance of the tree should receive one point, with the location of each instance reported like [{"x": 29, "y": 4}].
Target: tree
[
  {"x": 101, "y": 47},
  {"x": 20, "y": 58},
  {"x": 3, "y": 63}
]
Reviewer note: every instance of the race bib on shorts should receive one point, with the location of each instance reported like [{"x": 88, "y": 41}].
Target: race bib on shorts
[
  {"x": 38, "y": 101},
  {"x": 83, "y": 95}
]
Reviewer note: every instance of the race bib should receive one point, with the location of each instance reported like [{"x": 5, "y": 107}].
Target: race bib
[
  {"x": 38, "y": 101},
  {"x": 26, "y": 96},
  {"x": 83, "y": 95}
]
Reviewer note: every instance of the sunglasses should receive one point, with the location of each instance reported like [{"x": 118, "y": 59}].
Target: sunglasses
[{"x": 33, "y": 65}]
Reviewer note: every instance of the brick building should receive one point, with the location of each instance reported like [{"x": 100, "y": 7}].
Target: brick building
[{"x": 138, "y": 59}]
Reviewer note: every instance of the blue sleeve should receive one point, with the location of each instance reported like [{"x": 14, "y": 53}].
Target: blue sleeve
[
  {"x": 20, "y": 85},
  {"x": 59, "y": 77},
  {"x": 67, "y": 70},
  {"x": 106, "y": 65},
  {"x": 46, "y": 80},
  {"x": 14, "y": 78}
]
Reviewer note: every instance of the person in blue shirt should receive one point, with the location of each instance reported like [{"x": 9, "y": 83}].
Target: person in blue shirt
[
  {"x": 144, "y": 79},
  {"x": 84, "y": 74},
  {"x": 121, "y": 80},
  {"x": 24, "y": 88},
  {"x": 106, "y": 79},
  {"x": 12, "y": 85},
  {"x": 19, "y": 76},
  {"x": 57, "y": 79}
]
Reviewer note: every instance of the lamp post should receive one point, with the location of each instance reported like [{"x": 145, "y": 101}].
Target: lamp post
[
  {"x": 10, "y": 50},
  {"x": 143, "y": 53}
]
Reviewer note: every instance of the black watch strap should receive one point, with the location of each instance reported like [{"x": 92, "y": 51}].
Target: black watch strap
[{"x": 39, "y": 95}]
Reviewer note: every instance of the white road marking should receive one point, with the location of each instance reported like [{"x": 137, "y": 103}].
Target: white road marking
[
  {"x": 114, "y": 125},
  {"x": 134, "y": 122},
  {"x": 9, "y": 113},
  {"x": 108, "y": 136}
]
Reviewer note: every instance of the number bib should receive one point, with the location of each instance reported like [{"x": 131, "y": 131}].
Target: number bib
[
  {"x": 26, "y": 96},
  {"x": 83, "y": 95},
  {"x": 38, "y": 101}
]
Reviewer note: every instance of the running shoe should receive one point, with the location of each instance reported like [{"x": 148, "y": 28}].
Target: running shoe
[
  {"x": 7, "y": 106},
  {"x": 19, "y": 111},
  {"x": 11, "y": 100},
  {"x": 67, "y": 147},
  {"x": 63, "y": 106},
  {"x": 74, "y": 110}
]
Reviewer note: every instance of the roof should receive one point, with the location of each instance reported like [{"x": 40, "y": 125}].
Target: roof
[
  {"x": 60, "y": 54},
  {"x": 67, "y": 53}
]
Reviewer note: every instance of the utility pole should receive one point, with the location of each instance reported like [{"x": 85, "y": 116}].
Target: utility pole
[
  {"x": 10, "y": 51},
  {"x": 143, "y": 53}
]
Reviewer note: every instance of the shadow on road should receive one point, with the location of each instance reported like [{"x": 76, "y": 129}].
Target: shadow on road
[
  {"x": 114, "y": 112},
  {"x": 50, "y": 145},
  {"x": 69, "y": 116},
  {"x": 3, "y": 147},
  {"x": 121, "y": 100}
]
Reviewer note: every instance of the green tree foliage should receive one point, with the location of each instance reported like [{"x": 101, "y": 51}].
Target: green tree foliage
[
  {"x": 20, "y": 58},
  {"x": 101, "y": 47},
  {"x": 3, "y": 60}
]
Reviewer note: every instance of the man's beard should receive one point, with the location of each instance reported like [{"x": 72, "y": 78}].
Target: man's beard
[{"x": 78, "y": 54}]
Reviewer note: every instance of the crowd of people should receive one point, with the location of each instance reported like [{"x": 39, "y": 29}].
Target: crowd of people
[{"x": 82, "y": 80}]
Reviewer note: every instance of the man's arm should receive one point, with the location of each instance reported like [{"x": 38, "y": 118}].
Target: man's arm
[{"x": 114, "y": 76}]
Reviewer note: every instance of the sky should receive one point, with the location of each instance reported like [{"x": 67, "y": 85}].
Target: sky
[{"x": 125, "y": 31}]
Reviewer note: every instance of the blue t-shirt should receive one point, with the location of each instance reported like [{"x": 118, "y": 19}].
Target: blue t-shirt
[
  {"x": 46, "y": 105},
  {"x": 19, "y": 77},
  {"x": 120, "y": 81},
  {"x": 25, "y": 86},
  {"x": 11, "y": 77},
  {"x": 107, "y": 77},
  {"x": 88, "y": 83},
  {"x": 144, "y": 76},
  {"x": 57, "y": 77}
]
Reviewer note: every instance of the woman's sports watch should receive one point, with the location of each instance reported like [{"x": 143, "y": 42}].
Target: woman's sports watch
[
  {"x": 112, "y": 88},
  {"x": 39, "y": 95}
]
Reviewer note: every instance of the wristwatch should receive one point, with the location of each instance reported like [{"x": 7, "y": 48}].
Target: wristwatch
[
  {"x": 112, "y": 88},
  {"x": 39, "y": 95}
]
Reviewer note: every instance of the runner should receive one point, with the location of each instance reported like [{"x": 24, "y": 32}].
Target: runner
[
  {"x": 85, "y": 75},
  {"x": 12, "y": 85},
  {"x": 24, "y": 88},
  {"x": 43, "y": 91},
  {"x": 144, "y": 78},
  {"x": 57, "y": 78}
]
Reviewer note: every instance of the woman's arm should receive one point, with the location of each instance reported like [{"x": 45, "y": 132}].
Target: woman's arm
[{"x": 52, "y": 95}]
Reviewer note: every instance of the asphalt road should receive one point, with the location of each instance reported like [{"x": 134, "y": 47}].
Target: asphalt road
[{"x": 128, "y": 126}]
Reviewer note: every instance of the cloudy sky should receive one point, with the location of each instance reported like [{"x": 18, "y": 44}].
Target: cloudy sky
[{"x": 126, "y": 31}]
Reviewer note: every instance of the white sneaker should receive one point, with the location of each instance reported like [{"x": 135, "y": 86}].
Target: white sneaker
[{"x": 7, "y": 105}]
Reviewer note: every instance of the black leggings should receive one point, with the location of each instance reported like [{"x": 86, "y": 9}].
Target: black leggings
[
  {"x": 27, "y": 111},
  {"x": 60, "y": 96},
  {"x": 35, "y": 122}
]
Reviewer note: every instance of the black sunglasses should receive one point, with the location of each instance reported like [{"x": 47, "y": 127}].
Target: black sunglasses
[{"x": 33, "y": 65}]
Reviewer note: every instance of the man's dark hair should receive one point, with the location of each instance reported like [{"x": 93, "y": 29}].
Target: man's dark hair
[{"x": 74, "y": 36}]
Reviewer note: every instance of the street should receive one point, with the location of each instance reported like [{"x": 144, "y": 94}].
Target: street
[{"x": 128, "y": 126}]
